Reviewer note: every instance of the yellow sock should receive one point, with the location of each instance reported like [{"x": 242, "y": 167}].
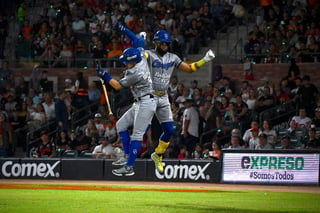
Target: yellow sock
[
  {"x": 162, "y": 147},
  {"x": 196, "y": 65}
]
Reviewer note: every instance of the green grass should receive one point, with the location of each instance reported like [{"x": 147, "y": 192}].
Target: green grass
[{"x": 69, "y": 201}]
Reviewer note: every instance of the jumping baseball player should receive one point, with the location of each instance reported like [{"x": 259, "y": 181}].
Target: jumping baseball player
[
  {"x": 162, "y": 63},
  {"x": 137, "y": 77}
]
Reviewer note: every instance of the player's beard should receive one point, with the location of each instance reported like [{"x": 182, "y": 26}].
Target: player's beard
[{"x": 160, "y": 51}]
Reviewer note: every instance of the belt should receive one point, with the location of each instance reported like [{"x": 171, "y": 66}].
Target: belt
[
  {"x": 157, "y": 93},
  {"x": 139, "y": 98}
]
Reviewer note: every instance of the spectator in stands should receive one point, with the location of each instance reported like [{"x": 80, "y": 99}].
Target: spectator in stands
[
  {"x": 213, "y": 120},
  {"x": 81, "y": 92},
  {"x": 190, "y": 126},
  {"x": 37, "y": 118},
  {"x": 181, "y": 98},
  {"x": 198, "y": 97},
  {"x": 21, "y": 117},
  {"x": 235, "y": 143},
  {"x": 78, "y": 25},
  {"x": 248, "y": 134},
  {"x": 281, "y": 96},
  {"x": 46, "y": 148},
  {"x": 183, "y": 154},
  {"x": 308, "y": 94},
  {"x": 216, "y": 150},
  {"x": 94, "y": 95},
  {"x": 21, "y": 88},
  {"x": 101, "y": 126},
  {"x": 216, "y": 96},
  {"x": 270, "y": 132},
  {"x": 114, "y": 49},
  {"x": 104, "y": 150},
  {"x": 173, "y": 86},
  {"x": 313, "y": 142},
  {"x": 197, "y": 153},
  {"x": 49, "y": 106},
  {"x": 218, "y": 14},
  {"x": 263, "y": 143},
  {"x": 6, "y": 136},
  {"x": 90, "y": 129},
  {"x": 61, "y": 111},
  {"x": 266, "y": 101},
  {"x": 243, "y": 112},
  {"x": 301, "y": 120},
  {"x": 111, "y": 132},
  {"x": 80, "y": 142},
  {"x": 45, "y": 84},
  {"x": 316, "y": 119},
  {"x": 254, "y": 140},
  {"x": 65, "y": 57},
  {"x": 10, "y": 105},
  {"x": 230, "y": 119},
  {"x": 286, "y": 142},
  {"x": 6, "y": 77},
  {"x": 62, "y": 142}
]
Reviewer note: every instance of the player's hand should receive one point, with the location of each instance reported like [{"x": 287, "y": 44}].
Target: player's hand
[
  {"x": 102, "y": 73},
  {"x": 119, "y": 26},
  {"x": 209, "y": 56}
]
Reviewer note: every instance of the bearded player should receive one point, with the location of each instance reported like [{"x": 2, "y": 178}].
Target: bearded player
[{"x": 162, "y": 64}]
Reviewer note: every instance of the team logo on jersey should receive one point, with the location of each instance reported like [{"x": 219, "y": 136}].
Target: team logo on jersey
[{"x": 158, "y": 64}]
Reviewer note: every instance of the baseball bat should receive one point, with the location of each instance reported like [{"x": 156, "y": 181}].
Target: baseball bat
[{"x": 104, "y": 89}]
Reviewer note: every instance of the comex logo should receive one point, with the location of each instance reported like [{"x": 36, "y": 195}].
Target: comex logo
[
  {"x": 10, "y": 169},
  {"x": 193, "y": 172}
]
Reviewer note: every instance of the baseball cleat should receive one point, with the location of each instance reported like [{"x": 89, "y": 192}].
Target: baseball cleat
[
  {"x": 120, "y": 162},
  {"x": 157, "y": 161},
  {"x": 123, "y": 171}
]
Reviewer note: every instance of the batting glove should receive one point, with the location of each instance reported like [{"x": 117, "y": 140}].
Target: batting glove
[
  {"x": 119, "y": 26},
  {"x": 104, "y": 74},
  {"x": 209, "y": 56}
]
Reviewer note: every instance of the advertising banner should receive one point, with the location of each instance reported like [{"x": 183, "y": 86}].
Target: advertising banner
[
  {"x": 273, "y": 168},
  {"x": 186, "y": 170},
  {"x": 30, "y": 168}
]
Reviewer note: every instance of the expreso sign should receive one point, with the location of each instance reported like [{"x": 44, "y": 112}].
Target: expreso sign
[
  {"x": 10, "y": 169},
  {"x": 192, "y": 172}
]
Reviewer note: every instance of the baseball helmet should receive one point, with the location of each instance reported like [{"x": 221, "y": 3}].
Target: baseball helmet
[
  {"x": 162, "y": 36},
  {"x": 130, "y": 55}
]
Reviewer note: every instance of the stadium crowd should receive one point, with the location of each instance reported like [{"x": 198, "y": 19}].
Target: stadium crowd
[{"x": 82, "y": 29}]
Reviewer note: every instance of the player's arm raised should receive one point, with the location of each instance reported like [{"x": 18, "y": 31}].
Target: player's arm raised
[{"x": 198, "y": 64}]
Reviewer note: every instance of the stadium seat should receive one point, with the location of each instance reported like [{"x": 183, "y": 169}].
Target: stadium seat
[
  {"x": 70, "y": 154},
  {"x": 85, "y": 154}
]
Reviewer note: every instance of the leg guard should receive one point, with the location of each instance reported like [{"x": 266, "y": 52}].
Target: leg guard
[
  {"x": 168, "y": 131},
  {"x": 125, "y": 140},
  {"x": 135, "y": 147},
  {"x": 162, "y": 147}
]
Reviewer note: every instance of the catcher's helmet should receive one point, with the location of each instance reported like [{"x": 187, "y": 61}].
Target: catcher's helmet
[
  {"x": 162, "y": 36},
  {"x": 130, "y": 55}
]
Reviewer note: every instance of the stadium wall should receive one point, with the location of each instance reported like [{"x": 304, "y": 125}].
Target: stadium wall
[{"x": 295, "y": 167}]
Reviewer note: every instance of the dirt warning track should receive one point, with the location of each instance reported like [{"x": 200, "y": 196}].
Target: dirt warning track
[{"x": 151, "y": 186}]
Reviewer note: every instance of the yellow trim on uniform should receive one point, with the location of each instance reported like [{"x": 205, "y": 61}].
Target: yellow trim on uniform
[
  {"x": 196, "y": 65},
  {"x": 146, "y": 54},
  {"x": 162, "y": 147}
]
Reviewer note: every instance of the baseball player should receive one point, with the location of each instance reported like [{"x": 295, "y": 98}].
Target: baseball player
[
  {"x": 137, "y": 77},
  {"x": 162, "y": 63}
]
